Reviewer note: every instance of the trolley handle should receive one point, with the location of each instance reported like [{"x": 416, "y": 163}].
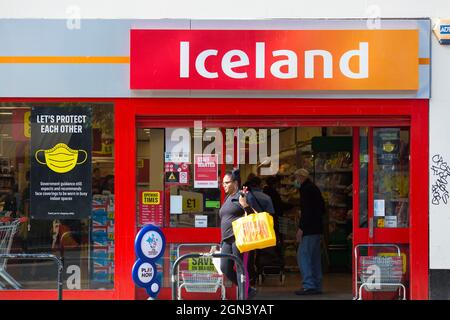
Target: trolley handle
[
  {"x": 239, "y": 268},
  {"x": 41, "y": 256}
]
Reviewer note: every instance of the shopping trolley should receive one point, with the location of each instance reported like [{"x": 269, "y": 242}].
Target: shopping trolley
[
  {"x": 203, "y": 281},
  {"x": 378, "y": 273},
  {"x": 8, "y": 228}
]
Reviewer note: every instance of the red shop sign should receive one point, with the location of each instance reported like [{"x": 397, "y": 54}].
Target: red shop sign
[{"x": 274, "y": 59}]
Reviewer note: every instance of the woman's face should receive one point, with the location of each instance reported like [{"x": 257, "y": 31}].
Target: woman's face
[{"x": 229, "y": 185}]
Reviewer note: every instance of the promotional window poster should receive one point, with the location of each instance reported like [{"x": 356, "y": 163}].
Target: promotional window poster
[{"x": 61, "y": 146}]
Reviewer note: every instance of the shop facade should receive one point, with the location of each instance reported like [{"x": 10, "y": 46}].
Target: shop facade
[{"x": 141, "y": 79}]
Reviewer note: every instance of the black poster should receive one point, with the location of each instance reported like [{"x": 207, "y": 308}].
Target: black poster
[
  {"x": 388, "y": 146},
  {"x": 61, "y": 144}
]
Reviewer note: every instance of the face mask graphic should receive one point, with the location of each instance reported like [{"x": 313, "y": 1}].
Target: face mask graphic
[{"x": 61, "y": 158}]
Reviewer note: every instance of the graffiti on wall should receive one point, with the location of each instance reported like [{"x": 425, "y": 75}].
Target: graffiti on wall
[{"x": 439, "y": 183}]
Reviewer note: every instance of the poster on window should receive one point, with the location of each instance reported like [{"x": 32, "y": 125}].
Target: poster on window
[
  {"x": 151, "y": 208},
  {"x": 61, "y": 144},
  {"x": 388, "y": 146},
  {"x": 206, "y": 171}
]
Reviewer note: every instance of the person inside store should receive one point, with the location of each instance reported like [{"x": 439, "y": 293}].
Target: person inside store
[
  {"x": 271, "y": 189},
  {"x": 261, "y": 202},
  {"x": 233, "y": 207},
  {"x": 108, "y": 184},
  {"x": 309, "y": 233},
  {"x": 97, "y": 181},
  {"x": 10, "y": 202}
]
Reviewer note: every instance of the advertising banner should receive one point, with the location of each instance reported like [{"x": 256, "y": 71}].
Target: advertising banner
[{"x": 61, "y": 144}]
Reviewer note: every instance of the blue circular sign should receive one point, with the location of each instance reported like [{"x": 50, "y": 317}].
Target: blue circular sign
[
  {"x": 153, "y": 289},
  {"x": 144, "y": 273},
  {"x": 150, "y": 243}
]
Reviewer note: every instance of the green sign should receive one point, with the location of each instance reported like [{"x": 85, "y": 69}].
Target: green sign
[{"x": 212, "y": 204}]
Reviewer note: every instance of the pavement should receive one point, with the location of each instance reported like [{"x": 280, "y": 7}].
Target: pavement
[{"x": 336, "y": 286}]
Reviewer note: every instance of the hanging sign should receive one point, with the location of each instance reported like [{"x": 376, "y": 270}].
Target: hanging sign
[
  {"x": 206, "y": 171},
  {"x": 149, "y": 247},
  {"x": 151, "y": 208},
  {"x": 61, "y": 144}
]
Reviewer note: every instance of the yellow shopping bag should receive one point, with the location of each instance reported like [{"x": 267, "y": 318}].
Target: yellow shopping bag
[{"x": 254, "y": 231}]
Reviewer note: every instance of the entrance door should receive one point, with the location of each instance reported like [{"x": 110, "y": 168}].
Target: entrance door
[{"x": 382, "y": 175}]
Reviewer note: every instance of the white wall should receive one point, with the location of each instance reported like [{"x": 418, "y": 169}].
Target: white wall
[
  {"x": 440, "y": 145},
  {"x": 216, "y": 9}
]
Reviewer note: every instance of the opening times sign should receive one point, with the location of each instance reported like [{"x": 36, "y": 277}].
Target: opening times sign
[{"x": 61, "y": 144}]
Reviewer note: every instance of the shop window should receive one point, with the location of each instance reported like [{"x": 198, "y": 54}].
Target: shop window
[
  {"x": 178, "y": 201},
  {"x": 391, "y": 177},
  {"x": 57, "y": 170}
]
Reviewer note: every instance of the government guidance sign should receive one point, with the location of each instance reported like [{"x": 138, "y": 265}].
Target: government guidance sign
[{"x": 61, "y": 144}]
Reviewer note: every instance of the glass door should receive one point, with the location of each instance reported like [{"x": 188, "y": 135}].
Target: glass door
[{"x": 383, "y": 176}]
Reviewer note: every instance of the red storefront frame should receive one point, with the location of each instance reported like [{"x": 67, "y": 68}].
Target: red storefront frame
[{"x": 312, "y": 112}]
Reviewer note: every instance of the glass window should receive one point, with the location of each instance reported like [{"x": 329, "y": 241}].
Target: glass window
[
  {"x": 391, "y": 177},
  {"x": 183, "y": 204},
  {"x": 363, "y": 176},
  {"x": 84, "y": 242}
]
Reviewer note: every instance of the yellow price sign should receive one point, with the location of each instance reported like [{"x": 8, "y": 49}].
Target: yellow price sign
[
  {"x": 380, "y": 223},
  {"x": 392, "y": 254},
  {"x": 151, "y": 197},
  {"x": 192, "y": 202}
]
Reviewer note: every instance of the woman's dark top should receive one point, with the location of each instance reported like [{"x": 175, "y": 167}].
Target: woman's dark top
[{"x": 230, "y": 211}]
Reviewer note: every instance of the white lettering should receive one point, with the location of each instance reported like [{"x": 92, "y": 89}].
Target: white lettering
[
  {"x": 291, "y": 63},
  {"x": 184, "y": 59},
  {"x": 363, "y": 54},
  {"x": 228, "y": 65},
  {"x": 284, "y": 68},
  {"x": 200, "y": 64},
  {"x": 260, "y": 60},
  {"x": 327, "y": 63}
]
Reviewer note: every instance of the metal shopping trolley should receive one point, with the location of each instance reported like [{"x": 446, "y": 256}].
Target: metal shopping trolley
[
  {"x": 206, "y": 280},
  {"x": 375, "y": 273},
  {"x": 8, "y": 228}
]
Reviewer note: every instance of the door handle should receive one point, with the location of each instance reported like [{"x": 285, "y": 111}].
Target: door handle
[{"x": 371, "y": 221}]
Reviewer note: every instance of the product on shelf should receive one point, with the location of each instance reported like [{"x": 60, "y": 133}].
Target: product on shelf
[{"x": 102, "y": 239}]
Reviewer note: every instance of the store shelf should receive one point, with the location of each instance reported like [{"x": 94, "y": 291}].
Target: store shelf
[
  {"x": 333, "y": 171},
  {"x": 337, "y": 205}
]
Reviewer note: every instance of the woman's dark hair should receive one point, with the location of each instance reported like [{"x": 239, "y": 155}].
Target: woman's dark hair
[{"x": 235, "y": 175}]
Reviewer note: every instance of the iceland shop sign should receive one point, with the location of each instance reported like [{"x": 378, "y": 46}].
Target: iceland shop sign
[{"x": 274, "y": 59}]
